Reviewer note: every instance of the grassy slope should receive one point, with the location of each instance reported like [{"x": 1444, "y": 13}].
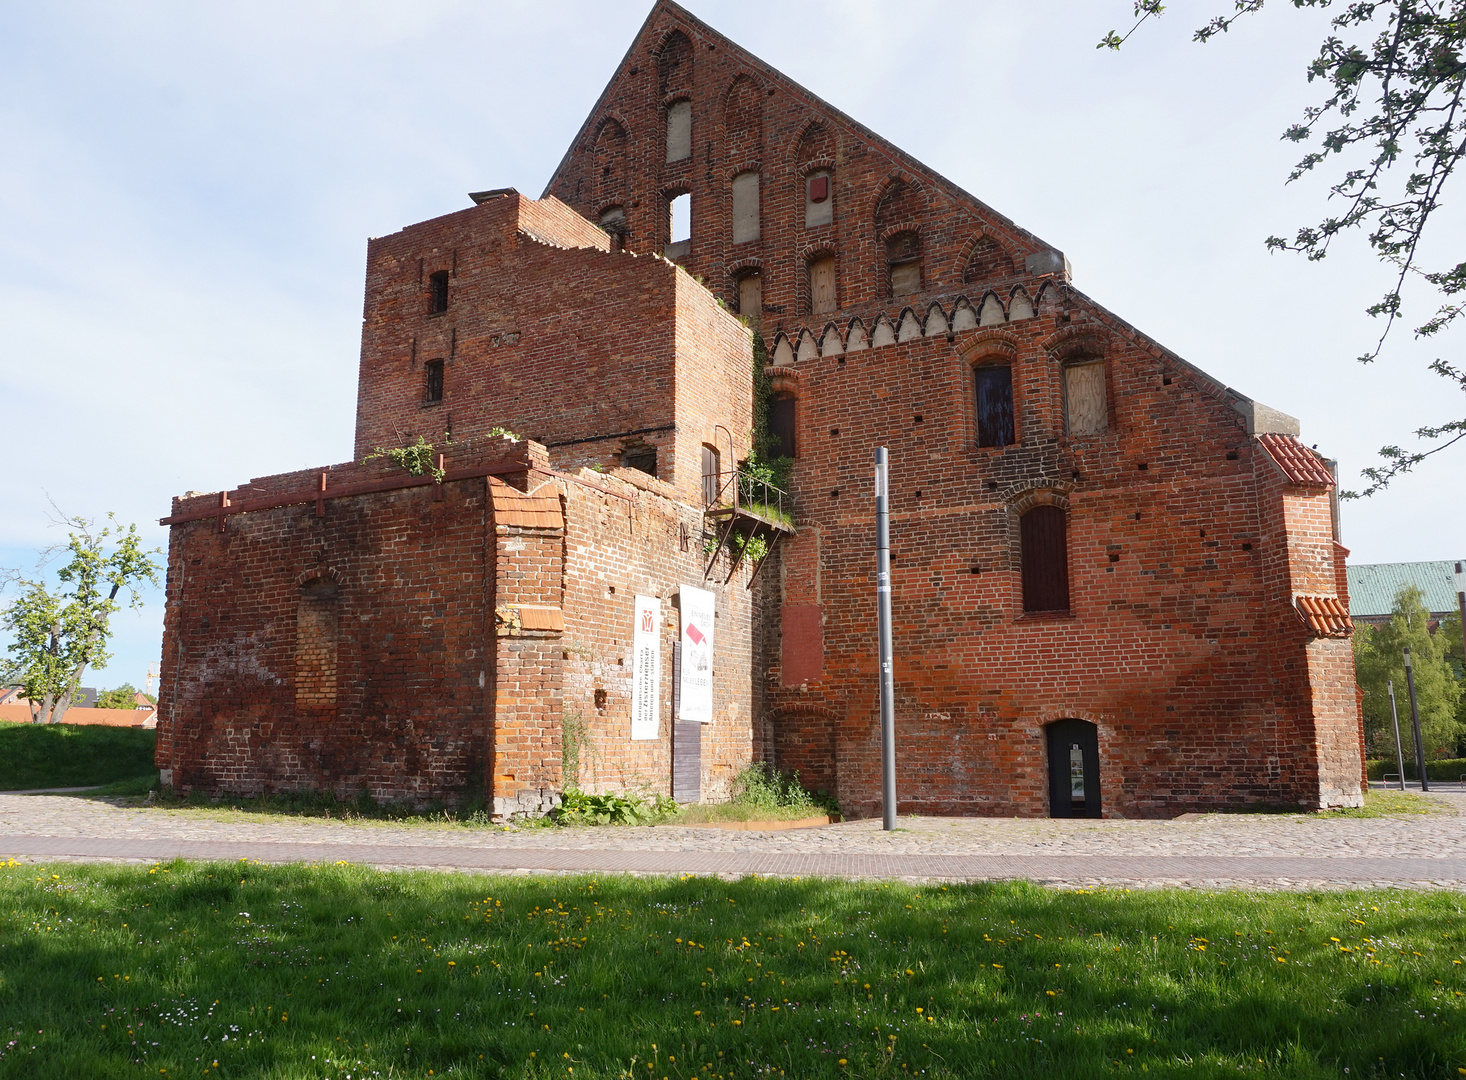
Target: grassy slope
[
  {"x": 337, "y": 970},
  {"x": 71, "y": 755}
]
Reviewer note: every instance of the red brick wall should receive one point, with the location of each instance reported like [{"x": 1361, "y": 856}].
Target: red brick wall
[
  {"x": 442, "y": 690},
  {"x": 783, "y": 132},
  {"x": 1181, "y": 644},
  {"x": 550, "y": 336},
  {"x": 409, "y": 719}
]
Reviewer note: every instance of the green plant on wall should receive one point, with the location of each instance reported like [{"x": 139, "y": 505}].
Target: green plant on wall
[{"x": 417, "y": 458}]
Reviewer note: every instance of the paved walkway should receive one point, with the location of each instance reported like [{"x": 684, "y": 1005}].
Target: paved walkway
[{"x": 1255, "y": 851}]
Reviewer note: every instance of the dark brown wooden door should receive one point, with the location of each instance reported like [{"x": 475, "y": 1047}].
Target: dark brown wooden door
[{"x": 1074, "y": 781}]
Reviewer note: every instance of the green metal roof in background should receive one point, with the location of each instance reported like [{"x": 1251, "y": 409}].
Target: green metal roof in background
[{"x": 1373, "y": 588}]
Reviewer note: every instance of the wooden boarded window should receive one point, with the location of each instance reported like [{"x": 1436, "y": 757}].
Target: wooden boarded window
[
  {"x": 819, "y": 199},
  {"x": 822, "y": 286},
  {"x": 745, "y": 207},
  {"x": 1045, "y": 559},
  {"x": 782, "y": 412},
  {"x": 751, "y": 298},
  {"x": 712, "y": 480},
  {"x": 1085, "y": 407},
  {"x": 679, "y": 130},
  {"x": 315, "y": 645},
  {"x": 994, "y": 405}
]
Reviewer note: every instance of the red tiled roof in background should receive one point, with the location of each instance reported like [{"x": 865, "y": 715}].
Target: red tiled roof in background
[
  {"x": 526, "y": 511},
  {"x": 1299, "y": 464},
  {"x": 1325, "y": 616}
]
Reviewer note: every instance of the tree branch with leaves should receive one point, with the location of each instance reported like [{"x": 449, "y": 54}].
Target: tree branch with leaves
[
  {"x": 59, "y": 632},
  {"x": 1391, "y": 128}
]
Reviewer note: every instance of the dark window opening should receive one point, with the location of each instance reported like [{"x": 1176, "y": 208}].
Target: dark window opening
[
  {"x": 781, "y": 426},
  {"x": 1044, "y": 556},
  {"x": 432, "y": 381},
  {"x": 600, "y": 700},
  {"x": 994, "y": 405},
  {"x": 641, "y": 458},
  {"x": 438, "y": 292},
  {"x": 613, "y": 220}
]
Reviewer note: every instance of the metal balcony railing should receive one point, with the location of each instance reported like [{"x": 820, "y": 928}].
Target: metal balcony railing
[{"x": 742, "y": 493}]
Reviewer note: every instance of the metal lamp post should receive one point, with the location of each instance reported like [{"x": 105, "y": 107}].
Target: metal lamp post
[
  {"x": 1415, "y": 722},
  {"x": 883, "y": 617}
]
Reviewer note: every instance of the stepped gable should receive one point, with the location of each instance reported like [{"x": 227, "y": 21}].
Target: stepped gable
[{"x": 780, "y": 181}]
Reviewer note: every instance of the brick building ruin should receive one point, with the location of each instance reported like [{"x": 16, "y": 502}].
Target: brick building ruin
[{"x": 1118, "y": 586}]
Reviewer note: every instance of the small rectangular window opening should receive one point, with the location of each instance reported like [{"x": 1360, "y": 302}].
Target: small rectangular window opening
[
  {"x": 781, "y": 425},
  {"x": 641, "y": 458},
  {"x": 680, "y": 207},
  {"x": 438, "y": 292},
  {"x": 432, "y": 381}
]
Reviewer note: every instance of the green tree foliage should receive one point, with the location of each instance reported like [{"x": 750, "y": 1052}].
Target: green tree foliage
[
  {"x": 121, "y": 697},
  {"x": 57, "y": 633},
  {"x": 1379, "y": 659},
  {"x": 1389, "y": 128}
]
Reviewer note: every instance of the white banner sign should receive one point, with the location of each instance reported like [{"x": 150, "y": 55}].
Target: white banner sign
[
  {"x": 697, "y": 656},
  {"x": 646, "y": 668}
]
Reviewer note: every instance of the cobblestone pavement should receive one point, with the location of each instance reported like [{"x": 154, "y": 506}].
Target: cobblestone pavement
[{"x": 1262, "y": 851}]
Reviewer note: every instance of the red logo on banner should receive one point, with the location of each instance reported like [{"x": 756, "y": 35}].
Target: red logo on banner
[
  {"x": 647, "y": 623},
  {"x": 695, "y": 634}
]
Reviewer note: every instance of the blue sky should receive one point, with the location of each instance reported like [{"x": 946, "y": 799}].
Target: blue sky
[{"x": 186, "y": 191}]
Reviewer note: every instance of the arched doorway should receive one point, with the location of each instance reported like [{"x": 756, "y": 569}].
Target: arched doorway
[{"x": 1074, "y": 780}]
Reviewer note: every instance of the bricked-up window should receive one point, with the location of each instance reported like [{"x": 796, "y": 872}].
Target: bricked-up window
[
  {"x": 822, "y": 285},
  {"x": 751, "y": 298},
  {"x": 1045, "y": 559},
  {"x": 994, "y": 405},
  {"x": 432, "y": 389},
  {"x": 642, "y": 458},
  {"x": 316, "y": 619},
  {"x": 903, "y": 263},
  {"x": 745, "y": 207},
  {"x": 819, "y": 199},
  {"x": 438, "y": 292},
  {"x": 782, "y": 412},
  {"x": 1085, "y": 409},
  {"x": 712, "y": 480},
  {"x": 679, "y": 130}
]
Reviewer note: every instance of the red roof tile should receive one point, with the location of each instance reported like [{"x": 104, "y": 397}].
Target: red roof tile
[
  {"x": 540, "y": 617},
  {"x": 1299, "y": 464},
  {"x": 1325, "y": 616},
  {"x": 526, "y": 511}
]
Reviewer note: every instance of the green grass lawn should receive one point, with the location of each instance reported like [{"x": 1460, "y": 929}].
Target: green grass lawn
[
  {"x": 242, "y": 970},
  {"x": 71, "y": 755}
]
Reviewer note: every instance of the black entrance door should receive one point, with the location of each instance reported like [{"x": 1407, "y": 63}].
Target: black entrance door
[{"x": 1074, "y": 789}]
